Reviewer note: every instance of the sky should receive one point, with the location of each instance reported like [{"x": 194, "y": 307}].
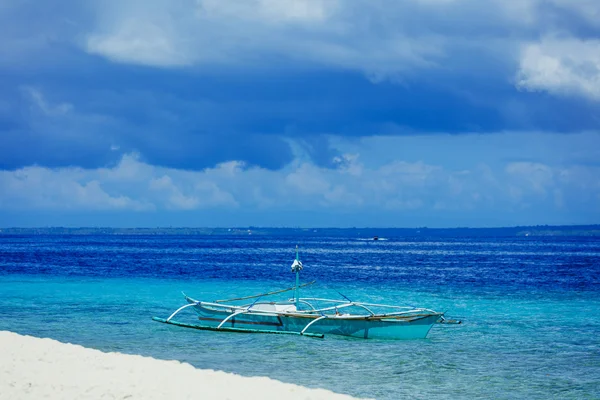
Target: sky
[{"x": 299, "y": 113}]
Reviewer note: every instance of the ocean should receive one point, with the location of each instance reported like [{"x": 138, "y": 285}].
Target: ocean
[{"x": 530, "y": 307}]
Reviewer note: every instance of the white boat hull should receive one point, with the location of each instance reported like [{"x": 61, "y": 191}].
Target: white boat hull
[{"x": 396, "y": 327}]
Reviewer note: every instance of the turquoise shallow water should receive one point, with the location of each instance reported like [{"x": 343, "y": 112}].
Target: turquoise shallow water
[{"x": 530, "y": 309}]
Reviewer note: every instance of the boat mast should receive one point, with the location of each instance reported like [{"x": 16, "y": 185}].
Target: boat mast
[
  {"x": 297, "y": 290},
  {"x": 297, "y": 267}
]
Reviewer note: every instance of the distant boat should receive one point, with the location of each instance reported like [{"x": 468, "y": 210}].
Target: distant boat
[{"x": 303, "y": 316}]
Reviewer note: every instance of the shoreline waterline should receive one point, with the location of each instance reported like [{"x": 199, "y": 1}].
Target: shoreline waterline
[{"x": 34, "y": 368}]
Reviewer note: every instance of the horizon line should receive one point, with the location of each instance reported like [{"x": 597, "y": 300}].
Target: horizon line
[{"x": 304, "y": 228}]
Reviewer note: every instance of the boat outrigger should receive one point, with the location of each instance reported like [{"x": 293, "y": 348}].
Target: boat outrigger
[{"x": 301, "y": 316}]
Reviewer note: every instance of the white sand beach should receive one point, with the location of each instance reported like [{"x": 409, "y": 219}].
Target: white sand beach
[{"x": 33, "y": 368}]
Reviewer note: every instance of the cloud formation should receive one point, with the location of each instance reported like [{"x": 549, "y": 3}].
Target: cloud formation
[
  {"x": 399, "y": 187},
  {"x": 384, "y": 38},
  {"x": 562, "y": 66},
  {"x": 322, "y": 32},
  {"x": 408, "y": 108}
]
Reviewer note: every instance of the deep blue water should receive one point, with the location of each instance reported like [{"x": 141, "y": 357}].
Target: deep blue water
[{"x": 530, "y": 308}]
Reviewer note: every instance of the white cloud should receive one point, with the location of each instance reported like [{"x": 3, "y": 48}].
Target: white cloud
[
  {"x": 385, "y": 39},
  {"x": 203, "y": 193},
  {"x": 171, "y": 34},
  {"x": 134, "y": 185},
  {"x": 564, "y": 66},
  {"x": 531, "y": 176},
  {"x": 307, "y": 180},
  {"x": 349, "y": 164},
  {"x": 130, "y": 185},
  {"x": 65, "y": 189},
  {"x": 379, "y": 38},
  {"x": 528, "y": 182},
  {"x": 51, "y": 110},
  {"x": 353, "y": 185},
  {"x": 214, "y": 32},
  {"x": 139, "y": 42}
]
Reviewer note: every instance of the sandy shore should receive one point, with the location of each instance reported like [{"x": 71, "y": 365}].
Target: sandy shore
[{"x": 33, "y": 368}]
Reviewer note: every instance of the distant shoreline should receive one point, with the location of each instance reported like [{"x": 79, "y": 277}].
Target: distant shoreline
[{"x": 517, "y": 231}]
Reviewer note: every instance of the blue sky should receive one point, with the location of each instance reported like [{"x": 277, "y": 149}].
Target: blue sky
[{"x": 299, "y": 113}]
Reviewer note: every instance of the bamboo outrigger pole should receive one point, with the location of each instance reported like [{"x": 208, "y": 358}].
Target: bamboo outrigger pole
[{"x": 265, "y": 294}]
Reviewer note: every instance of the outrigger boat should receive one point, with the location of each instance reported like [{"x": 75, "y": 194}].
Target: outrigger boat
[{"x": 313, "y": 317}]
